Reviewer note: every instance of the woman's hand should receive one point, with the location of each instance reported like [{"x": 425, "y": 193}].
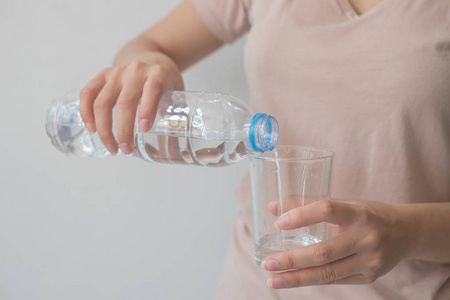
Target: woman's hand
[
  {"x": 144, "y": 68},
  {"x": 123, "y": 86},
  {"x": 372, "y": 238}
]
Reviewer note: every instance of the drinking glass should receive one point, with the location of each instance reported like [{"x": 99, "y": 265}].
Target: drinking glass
[{"x": 282, "y": 180}]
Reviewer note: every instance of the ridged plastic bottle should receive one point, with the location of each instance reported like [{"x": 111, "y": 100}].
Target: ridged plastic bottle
[{"x": 194, "y": 128}]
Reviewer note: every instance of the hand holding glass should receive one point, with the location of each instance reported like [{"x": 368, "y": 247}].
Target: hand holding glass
[{"x": 282, "y": 180}]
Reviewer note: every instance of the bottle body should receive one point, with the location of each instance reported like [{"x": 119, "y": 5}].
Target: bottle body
[
  {"x": 190, "y": 151},
  {"x": 195, "y": 128}
]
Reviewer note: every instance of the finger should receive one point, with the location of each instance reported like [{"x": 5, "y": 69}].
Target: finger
[
  {"x": 325, "y": 274},
  {"x": 289, "y": 203},
  {"x": 273, "y": 208},
  {"x": 87, "y": 97},
  {"x": 103, "y": 107},
  {"x": 336, "y": 248},
  {"x": 330, "y": 211},
  {"x": 355, "y": 279},
  {"x": 152, "y": 93},
  {"x": 126, "y": 114},
  {"x": 286, "y": 205}
]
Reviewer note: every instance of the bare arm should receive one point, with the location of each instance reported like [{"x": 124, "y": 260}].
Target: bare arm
[
  {"x": 429, "y": 229},
  {"x": 182, "y": 36},
  {"x": 143, "y": 69}
]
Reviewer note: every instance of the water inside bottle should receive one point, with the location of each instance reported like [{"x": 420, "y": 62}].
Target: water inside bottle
[
  {"x": 77, "y": 140},
  {"x": 190, "y": 151}
]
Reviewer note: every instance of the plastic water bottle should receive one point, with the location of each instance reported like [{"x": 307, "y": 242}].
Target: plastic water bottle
[{"x": 194, "y": 128}]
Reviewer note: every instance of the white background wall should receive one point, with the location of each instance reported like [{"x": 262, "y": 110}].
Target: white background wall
[{"x": 117, "y": 228}]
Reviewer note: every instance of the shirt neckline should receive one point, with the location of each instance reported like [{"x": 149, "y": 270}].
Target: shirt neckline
[{"x": 351, "y": 14}]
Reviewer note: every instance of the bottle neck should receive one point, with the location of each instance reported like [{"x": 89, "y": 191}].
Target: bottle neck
[{"x": 263, "y": 135}]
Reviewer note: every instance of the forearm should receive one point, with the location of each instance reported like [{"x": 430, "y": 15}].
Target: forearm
[
  {"x": 180, "y": 39},
  {"x": 140, "y": 49},
  {"x": 428, "y": 225}
]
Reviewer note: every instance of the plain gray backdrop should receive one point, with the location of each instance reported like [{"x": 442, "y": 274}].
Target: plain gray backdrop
[{"x": 113, "y": 228}]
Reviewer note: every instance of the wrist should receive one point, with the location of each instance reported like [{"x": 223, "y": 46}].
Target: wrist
[
  {"x": 143, "y": 50},
  {"x": 153, "y": 59},
  {"x": 427, "y": 226},
  {"x": 409, "y": 221}
]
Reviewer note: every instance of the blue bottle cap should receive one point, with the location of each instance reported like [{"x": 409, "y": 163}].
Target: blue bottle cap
[{"x": 263, "y": 133}]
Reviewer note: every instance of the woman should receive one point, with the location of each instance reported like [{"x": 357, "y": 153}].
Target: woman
[{"x": 369, "y": 79}]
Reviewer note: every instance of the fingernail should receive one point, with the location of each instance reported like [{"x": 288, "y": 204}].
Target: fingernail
[
  {"x": 270, "y": 264},
  {"x": 282, "y": 222},
  {"x": 144, "y": 125},
  {"x": 126, "y": 148},
  {"x": 276, "y": 283},
  {"x": 112, "y": 148},
  {"x": 90, "y": 127}
]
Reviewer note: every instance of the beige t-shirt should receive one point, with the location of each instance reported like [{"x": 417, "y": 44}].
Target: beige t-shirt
[{"x": 375, "y": 89}]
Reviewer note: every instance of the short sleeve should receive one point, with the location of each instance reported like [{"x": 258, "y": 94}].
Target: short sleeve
[{"x": 226, "y": 19}]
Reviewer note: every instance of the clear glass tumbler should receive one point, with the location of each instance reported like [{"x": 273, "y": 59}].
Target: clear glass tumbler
[{"x": 284, "y": 179}]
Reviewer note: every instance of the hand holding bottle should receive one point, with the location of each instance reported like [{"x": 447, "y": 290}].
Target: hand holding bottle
[
  {"x": 143, "y": 70},
  {"x": 123, "y": 87}
]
